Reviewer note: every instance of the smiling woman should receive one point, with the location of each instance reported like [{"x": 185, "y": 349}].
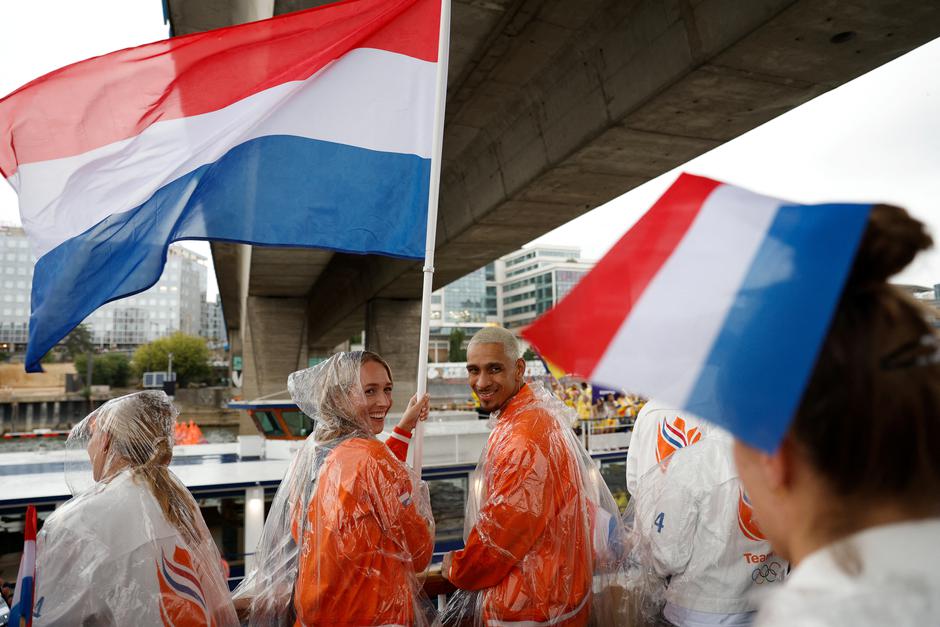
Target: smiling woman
[
  {"x": 350, "y": 527},
  {"x": 376, "y": 378}
]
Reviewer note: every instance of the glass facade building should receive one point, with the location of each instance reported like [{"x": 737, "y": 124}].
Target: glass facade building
[
  {"x": 469, "y": 304},
  {"x": 213, "y": 323},
  {"x": 511, "y": 292},
  {"x": 16, "y": 280},
  {"x": 532, "y": 280},
  {"x": 175, "y": 303}
]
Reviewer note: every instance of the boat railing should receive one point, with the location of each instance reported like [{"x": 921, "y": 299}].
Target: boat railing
[{"x": 598, "y": 434}]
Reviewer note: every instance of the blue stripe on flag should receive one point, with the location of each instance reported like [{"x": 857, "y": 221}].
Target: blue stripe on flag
[
  {"x": 276, "y": 190},
  {"x": 22, "y": 611},
  {"x": 804, "y": 258}
]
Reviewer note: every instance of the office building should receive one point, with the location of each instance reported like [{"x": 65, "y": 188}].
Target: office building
[{"x": 532, "y": 280}]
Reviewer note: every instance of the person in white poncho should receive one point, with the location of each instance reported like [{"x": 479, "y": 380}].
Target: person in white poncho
[{"x": 131, "y": 547}]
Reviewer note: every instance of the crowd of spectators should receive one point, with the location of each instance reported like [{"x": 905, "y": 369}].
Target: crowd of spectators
[{"x": 601, "y": 413}]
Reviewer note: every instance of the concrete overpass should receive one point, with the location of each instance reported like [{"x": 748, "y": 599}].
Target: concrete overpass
[{"x": 554, "y": 107}]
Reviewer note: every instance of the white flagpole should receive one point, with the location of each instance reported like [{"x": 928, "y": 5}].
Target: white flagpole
[{"x": 443, "y": 47}]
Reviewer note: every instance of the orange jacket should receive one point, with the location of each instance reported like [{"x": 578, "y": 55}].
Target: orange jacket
[
  {"x": 530, "y": 547},
  {"x": 364, "y": 541}
]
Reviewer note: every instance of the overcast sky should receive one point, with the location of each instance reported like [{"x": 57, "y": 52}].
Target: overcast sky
[{"x": 874, "y": 139}]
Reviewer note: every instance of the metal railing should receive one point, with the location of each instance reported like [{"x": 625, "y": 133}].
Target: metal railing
[{"x": 598, "y": 435}]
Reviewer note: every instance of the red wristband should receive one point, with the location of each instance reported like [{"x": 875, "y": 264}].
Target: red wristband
[{"x": 402, "y": 432}]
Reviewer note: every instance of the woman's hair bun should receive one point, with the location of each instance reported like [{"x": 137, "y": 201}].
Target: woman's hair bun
[{"x": 891, "y": 241}]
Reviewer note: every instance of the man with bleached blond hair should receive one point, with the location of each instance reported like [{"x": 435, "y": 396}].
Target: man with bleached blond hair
[{"x": 529, "y": 546}]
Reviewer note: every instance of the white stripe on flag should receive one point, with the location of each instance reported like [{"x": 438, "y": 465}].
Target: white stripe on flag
[
  {"x": 27, "y": 569},
  {"x": 660, "y": 349},
  {"x": 369, "y": 98}
]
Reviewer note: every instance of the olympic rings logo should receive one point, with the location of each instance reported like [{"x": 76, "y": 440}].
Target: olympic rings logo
[{"x": 768, "y": 573}]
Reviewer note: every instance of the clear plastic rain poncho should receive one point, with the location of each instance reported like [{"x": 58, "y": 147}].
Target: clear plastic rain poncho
[
  {"x": 350, "y": 532},
  {"x": 130, "y": 547},
  {"x": 695, "y": 546},
  {"x": 543, "y": 536}
]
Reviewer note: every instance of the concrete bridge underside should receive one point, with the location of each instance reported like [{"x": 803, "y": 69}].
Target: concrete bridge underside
[{"x": 554, "y": 107}]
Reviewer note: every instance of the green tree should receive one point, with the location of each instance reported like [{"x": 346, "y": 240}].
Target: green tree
[
  {"x": 456, "y": 351},
  {"x": 190, "y": 358},
  {"x": 78, "y": 342},
  {"x": 112, "y": 369}
]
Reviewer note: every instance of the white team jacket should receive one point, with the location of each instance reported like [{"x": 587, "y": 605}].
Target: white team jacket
[
  {"x": 109, "y": 557},
  {"x": 694, "y": 521},
  {"x": 659, "y": 430}
]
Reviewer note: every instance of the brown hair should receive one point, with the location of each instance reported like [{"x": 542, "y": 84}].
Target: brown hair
[
  {"x": 869, "y": 420},
  {"x": 142, "y": 435},
  {"x": 367, "y": 356}
]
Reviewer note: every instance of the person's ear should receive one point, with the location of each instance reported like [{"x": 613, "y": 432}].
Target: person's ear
[
  {"x": 778, "y": 467},
  {"x": 520, "y": 370}
]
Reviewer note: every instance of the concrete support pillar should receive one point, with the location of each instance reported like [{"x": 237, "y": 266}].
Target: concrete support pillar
[
  {"x": 274, "y": 343},
  {"x": 254, "y": 523},
  {"x": 392, "y": 328},
  {"x": 273, "y": 346}
]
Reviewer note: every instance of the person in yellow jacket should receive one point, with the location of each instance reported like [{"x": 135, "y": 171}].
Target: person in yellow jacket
[
  {"x": 537, "y": 516},
  {"x": 571, "y": 396},
  {"x": 585, "y": 408},
  {"x": 351, "y": 527}
]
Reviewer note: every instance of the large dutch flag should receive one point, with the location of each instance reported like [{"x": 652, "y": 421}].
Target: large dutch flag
[
  {"x": 310, "y": 129},
  {"x": 717, "y": 301}
]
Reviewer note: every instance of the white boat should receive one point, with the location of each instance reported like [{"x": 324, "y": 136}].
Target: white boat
[{"x": 234, "y": 483}]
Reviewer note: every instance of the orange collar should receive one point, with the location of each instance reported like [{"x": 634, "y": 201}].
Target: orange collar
[{"x": 519, "y": 401}]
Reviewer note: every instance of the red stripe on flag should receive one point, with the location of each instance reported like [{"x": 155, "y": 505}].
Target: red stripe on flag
[
  {"x": 29, "y": 530},
  {"x": 105, "y": 99},
  {"x": 575, "y": 334}
]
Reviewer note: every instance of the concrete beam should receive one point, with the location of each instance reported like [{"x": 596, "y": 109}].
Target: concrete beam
[
  {"x": 285, "y": 271},
  {"x": 555, "y": 107},
  {"x": 226, "y": 258},
  {"x": 572, "y": 105}
]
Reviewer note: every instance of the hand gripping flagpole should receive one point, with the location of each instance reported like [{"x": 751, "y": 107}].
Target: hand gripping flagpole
[{"x": 443, "y": 47}]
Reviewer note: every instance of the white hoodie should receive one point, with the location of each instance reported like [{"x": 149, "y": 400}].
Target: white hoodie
[
  {"x": 109, "y": 557},
  {"x": 878, "y": 577}
]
